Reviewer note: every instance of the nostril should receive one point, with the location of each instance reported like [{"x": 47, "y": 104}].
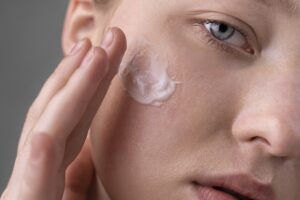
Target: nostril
[
  {"x": 259, "y": 139},
  {"x": 273, "y": 133}
]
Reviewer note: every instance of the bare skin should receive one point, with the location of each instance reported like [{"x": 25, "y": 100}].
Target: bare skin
[
  {"x": 57, "y": 125},
  {"x": 236, "y": 111}
]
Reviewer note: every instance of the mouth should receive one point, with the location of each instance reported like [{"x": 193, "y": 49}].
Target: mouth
[
  {"x": 238, "y": 196},
  {"x": 218, "y": 193},
  {"x": 234, "y": 187}
]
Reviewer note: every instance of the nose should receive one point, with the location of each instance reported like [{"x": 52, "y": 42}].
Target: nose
[{"x": 270, "y": 117}]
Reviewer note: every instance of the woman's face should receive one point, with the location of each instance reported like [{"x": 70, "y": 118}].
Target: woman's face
[{"x": 235, "y": 112}]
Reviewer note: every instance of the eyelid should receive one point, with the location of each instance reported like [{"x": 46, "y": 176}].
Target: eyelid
[
  {"x": 244, "y": 28},
  {"x": 232, "y": 25},
  {"x": 241, "y": 31},
  {"x": 221, "y": 45}
]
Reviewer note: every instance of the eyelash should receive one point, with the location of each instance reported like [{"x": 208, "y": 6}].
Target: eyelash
[{"x": 223, "y": 46}]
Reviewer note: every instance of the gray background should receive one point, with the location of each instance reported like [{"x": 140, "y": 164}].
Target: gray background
[{"x": 30, "y": 49}]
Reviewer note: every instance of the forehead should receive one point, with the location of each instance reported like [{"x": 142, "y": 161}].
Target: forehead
[{"x": 289, "y": 6}]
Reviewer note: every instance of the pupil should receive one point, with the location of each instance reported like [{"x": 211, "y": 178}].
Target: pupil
[{"x": 223, "y": 28}]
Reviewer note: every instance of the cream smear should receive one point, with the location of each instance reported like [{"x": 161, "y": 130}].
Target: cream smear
[{"x": 144, "y": 76}]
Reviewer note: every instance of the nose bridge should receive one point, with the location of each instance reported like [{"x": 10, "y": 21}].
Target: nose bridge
[{"x": 270, "y": 114}]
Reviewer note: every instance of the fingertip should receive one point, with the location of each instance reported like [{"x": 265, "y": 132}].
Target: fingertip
[
  {"x": 88, "y": 42},
  {"x": 119, "y": 45},
  {"x": 116, "y": 50},
  {"x": 77, "y": 46},
  {"x": 102, "y": 58},
  {"x": 120, "y": 39},
  {"x": 114, "y": 43},
  {"x": 101, "y": 53}
]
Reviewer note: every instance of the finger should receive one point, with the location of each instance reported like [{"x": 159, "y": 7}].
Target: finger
[
  {"x": 68, "y": 106},
  {"x": 115, "y": 53},
  {"x": 57, "y": 121},
  {"x": 75, "y": 188},
  {"x": 41, "y": 179},
  {"x": 54, "y": 83},
  {"x": 73, "y": 110},
  {"x": 79, "y": 175}
]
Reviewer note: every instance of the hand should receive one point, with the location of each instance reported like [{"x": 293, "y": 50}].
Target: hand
[{"x": 57, "y": 125}]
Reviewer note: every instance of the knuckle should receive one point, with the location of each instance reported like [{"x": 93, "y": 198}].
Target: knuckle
[
  {"x": 44, "y": 149},
  {"x": 75, "y": 183},
  {"x": 59, "y": 77}
]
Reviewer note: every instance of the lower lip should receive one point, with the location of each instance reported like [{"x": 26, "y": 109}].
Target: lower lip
[{"x": 209, "y": 193}]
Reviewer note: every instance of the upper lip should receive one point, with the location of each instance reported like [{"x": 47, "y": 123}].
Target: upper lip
[{"x": 242, "y": 184}]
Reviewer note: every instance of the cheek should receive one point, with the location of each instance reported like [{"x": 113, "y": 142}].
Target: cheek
[
  {"x": 134, "y": 145},
  {"x": 144, "y": 74}
]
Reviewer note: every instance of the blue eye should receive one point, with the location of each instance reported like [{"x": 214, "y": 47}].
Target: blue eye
[{"x": 226, "y": 33}]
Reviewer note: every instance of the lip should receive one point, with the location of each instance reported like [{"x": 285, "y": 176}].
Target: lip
[
  {"x": 241, "y": 184},
  {"x": 209, "y": 193}
]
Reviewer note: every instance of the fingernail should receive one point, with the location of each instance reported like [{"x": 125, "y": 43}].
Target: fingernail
[
  {"x": 76, "y": 48},
  {"x": 108, "y": 39},
  {"x": 89, "y": 57}
]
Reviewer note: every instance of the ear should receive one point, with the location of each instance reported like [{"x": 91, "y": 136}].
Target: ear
[{"x": 79, "y": 23}]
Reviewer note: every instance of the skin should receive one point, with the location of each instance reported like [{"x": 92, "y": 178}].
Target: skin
[{"x": 237, "y": 112}]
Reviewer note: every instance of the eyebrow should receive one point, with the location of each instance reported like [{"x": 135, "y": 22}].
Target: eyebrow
[{"x": 289, "y": 5}]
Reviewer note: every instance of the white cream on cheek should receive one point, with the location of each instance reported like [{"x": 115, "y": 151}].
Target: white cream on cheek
[{"x": 144, "y": 76}]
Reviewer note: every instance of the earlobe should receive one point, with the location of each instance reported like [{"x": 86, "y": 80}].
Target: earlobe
[{"x": 79, "y": 23}]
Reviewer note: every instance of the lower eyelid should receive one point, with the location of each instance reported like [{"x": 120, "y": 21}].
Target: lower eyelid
[{"x": 219, "y": 44}]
